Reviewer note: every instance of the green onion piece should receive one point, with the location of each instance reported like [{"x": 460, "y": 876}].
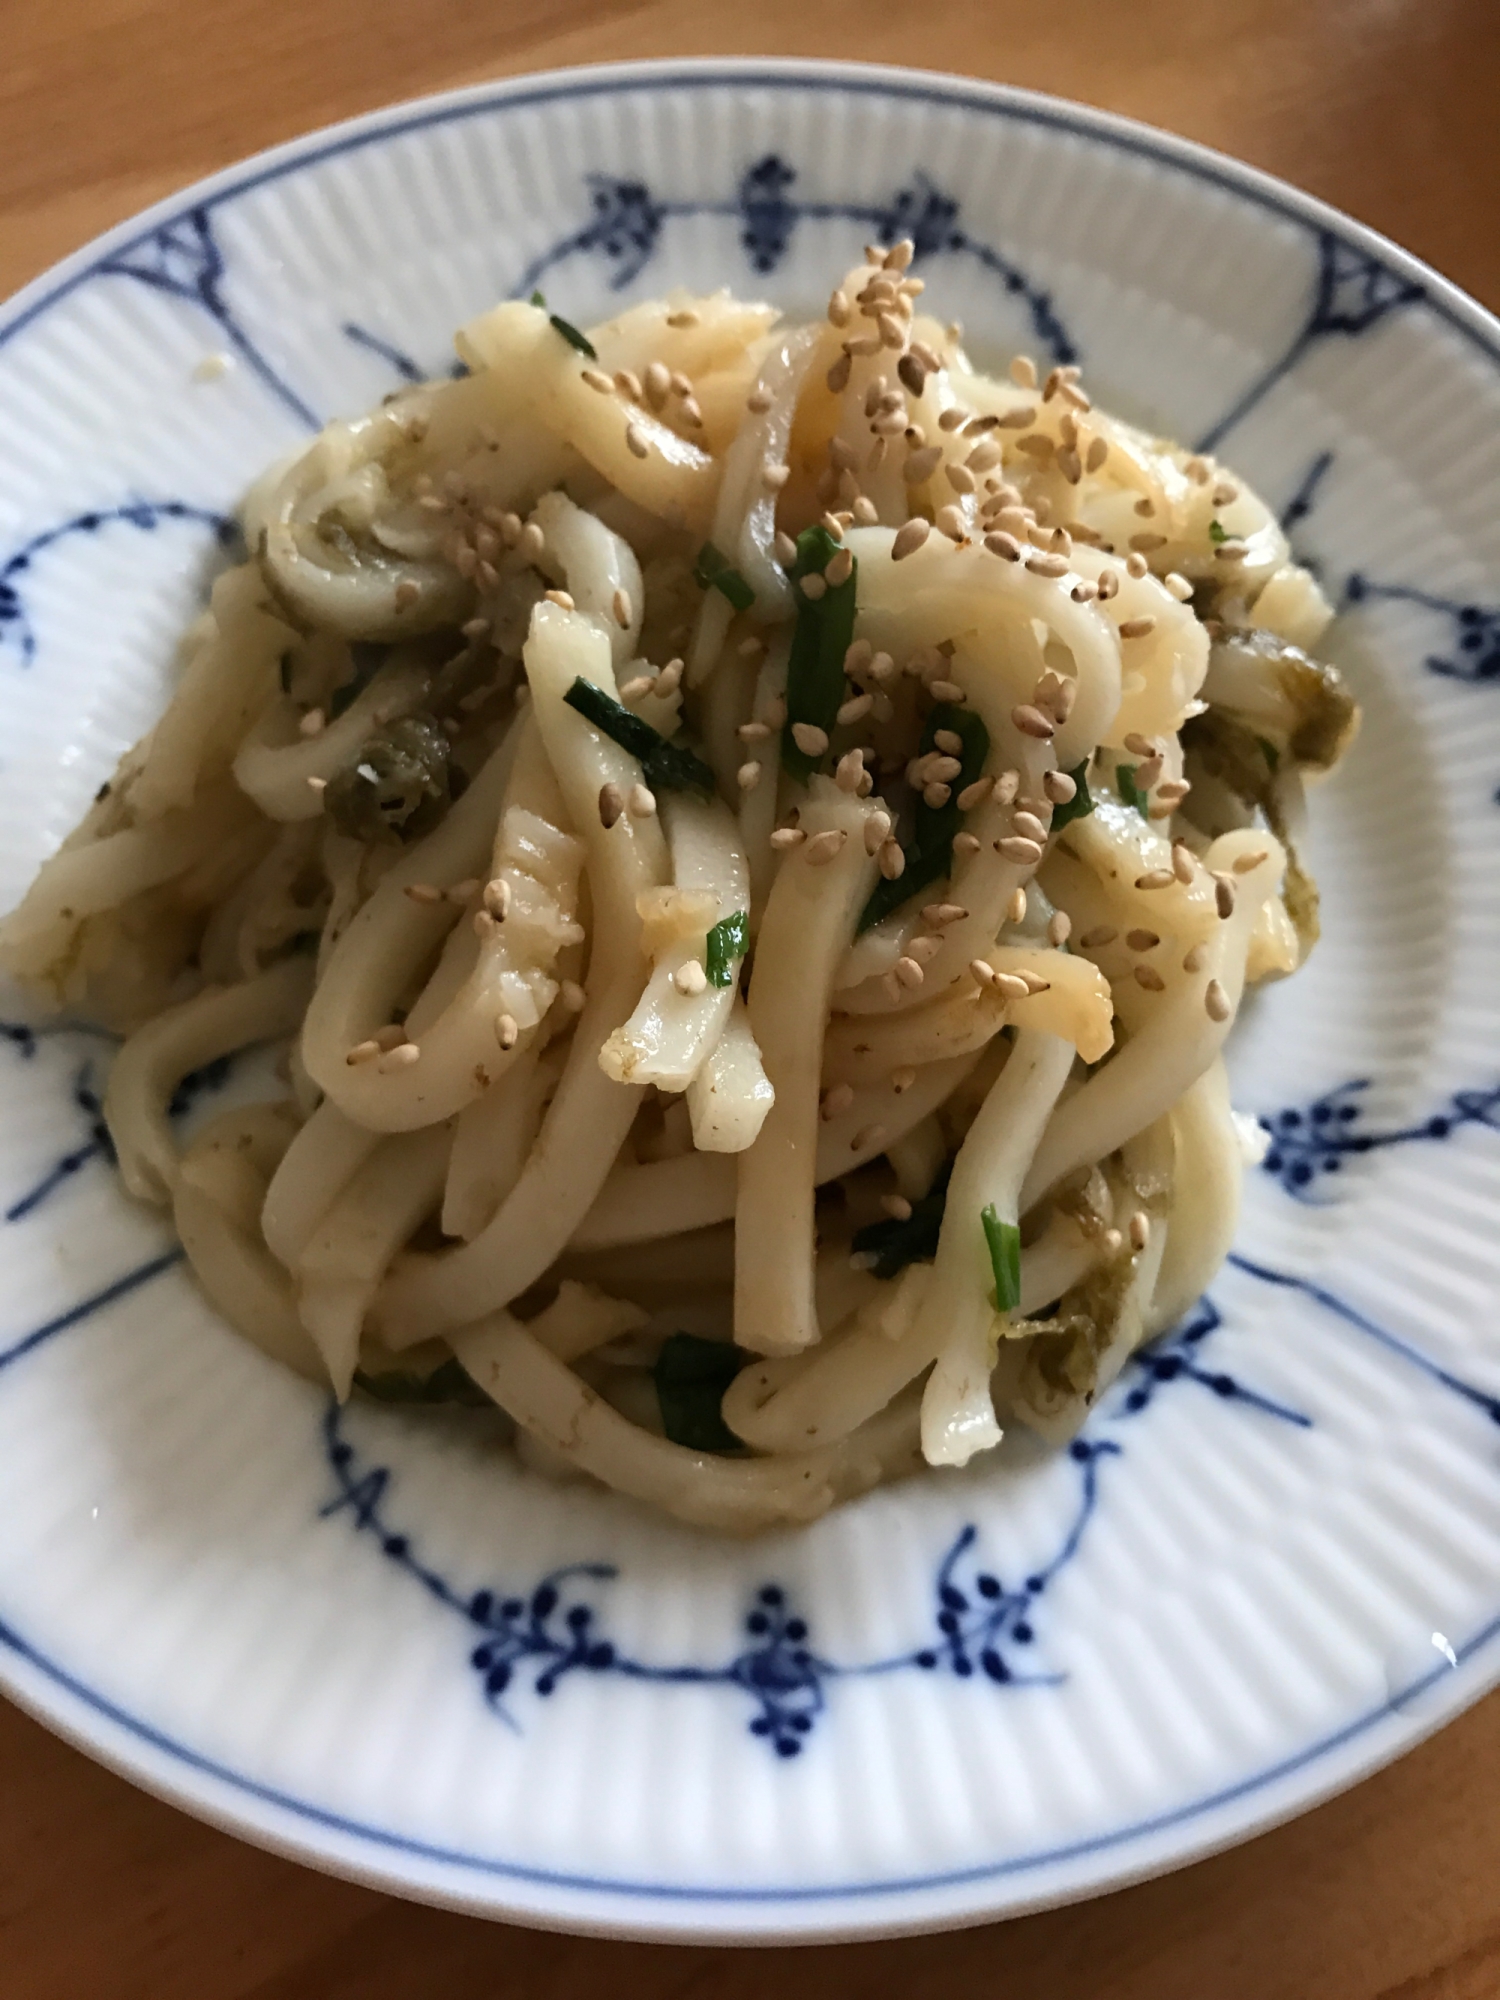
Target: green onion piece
[
  {"x": 714, "y": 571},
  {"x": 1080, "y": 805},
  {"x": 894, "y": 1244},
  {"x": 538, "y": 299},
  {"x": 572, "y": 336},
  {"x": 691, "y": 1375},
  {"x": 825, "y": 631},
  {"x": 929, "y": 855},
  {"x": 1269, "y": 751},
  {"x": 448, "y": 1383},
  {"x": 1004, "y": 1240},
  {"x": 725, "y": 947},
  {"x": 666, "y": 766},
  {"x": 1216, "y": 532},
  {"x": 1130, "y": 792}
]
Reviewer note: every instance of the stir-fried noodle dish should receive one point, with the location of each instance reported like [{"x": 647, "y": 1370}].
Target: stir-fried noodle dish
[{"x": 746, "y": 841}]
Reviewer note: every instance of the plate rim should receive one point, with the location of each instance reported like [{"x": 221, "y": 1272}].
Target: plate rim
[{"x": 381, "y": 1858}]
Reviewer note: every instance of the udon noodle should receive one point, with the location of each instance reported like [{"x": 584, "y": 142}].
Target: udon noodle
[{"x": 750, "y": 839}]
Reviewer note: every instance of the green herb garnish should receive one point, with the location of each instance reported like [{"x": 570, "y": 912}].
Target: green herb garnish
[
  {"x": 1080, "y": 805},
  {"x": 725, "y": 947},
  {"x": 667, "y": 766},
  {"x": 825, "y": 630},
  {"x": 691, "y": 1375},
  {"x": 448, "y": 1383},
  {"x": 538, "y": 299},
  {"x": 1217, "y": 532},
  {"x": 714, "y": 571},
  {"x": 572, "y": 336},
  {"x": 1269, "y": 751},
  {"x": 915, "y": 1241},
  {"x": 1130, "y": 792},
  {"x": 1004, "y": 1240},
  {"x": 929, "y": 855}
]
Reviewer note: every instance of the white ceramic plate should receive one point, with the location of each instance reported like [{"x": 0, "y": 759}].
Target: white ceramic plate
[{"x": 1273, "y": 1561}]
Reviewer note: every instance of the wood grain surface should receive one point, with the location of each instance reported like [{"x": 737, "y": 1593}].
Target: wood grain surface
[{"x": 1386, "y": 107}]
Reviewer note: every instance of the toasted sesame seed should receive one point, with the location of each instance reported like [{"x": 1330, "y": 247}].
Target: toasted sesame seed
[
  {"x": 837, "y": 1099},
  {"x": 1098, "y": 937},
  {"x": 1136, "y": 628},
  {"x": 908, "y": 972},
  {"x": 1195, "y": 958},
  {"x": 621, "y": 606},
  {"x": 924, "y": 949},
  {"x": 464, "y": 891},
  {"x": 785, "y": 549},
  {"x": 1109, "y": 585},
  {"x": 960, "y": 479},
  {"x": 496, "y": 898},
  {"x": 1015, "y": 909},
  {"x": 1139, "y": 1229},
  {"x": 947, "y": 692},
  {"x": 561, "y": 599},
  {"x": 1059, "y": 929},
  {"x": 838, "y": 375},
  {"x": 1155, "y": 878},
  {"x": 896, "y": 1206},
  {"x": 838, "y": 308},
  {"x": 1135, "y": 564},
  {"x": 670, "y": 678},
  {"x": 774, "y": 477},
  {"x": 1098, "y": 451},
  {"x": 317, "y": 784},
  {"x": 813, "y": 586},
  {"x": 1070, "y": 465},
  {"x": 753, "y": 732},
  {"x": 1015, "y": 847},
  {"x": 840, "y": 568},
  {"x": 641, "y": 802},
  {"x": 690, "y": 978},
  {"x": 1177, "y": 585},
  {"x": 822, "y": 847},
  {"x": 909, "y": 538},
  {"x": 1029, "y": 827},
  {"x": 636, "y": 687},
  {"x": 597, "y": 379},
  {"x": 747, "y": 777},
  {"x": 424, "y": 892},
  {"x": 1142, "y": 940},
  {"x": 1047, "y": 565},
  {"x": 855, "y": 710},
  {"x": 1058, "y": 787},
  {"x": 1006, "y": 786},
  {"x": 877, "y": 831},
  {"x": 1184, "y": 862},
  {"x": 635, "y": 441},
  {"x": 966, "y": 843},
  {"x": 1147, "y": 772},
  {"x": 571, "y": 997},
  {"x": 362, "y": 1052},
  {"x": 809, "y": 739},
  {"x": 936, "y": 794},
  {"x": 401, "y": 1057},
  {"x": 1172, "y": 791},
  {"x": 1243, "y": 863},
  {"x": 982, "y": 972},
  {"x": 1216, "y": 1001},
  {"x": 849, "y": 771},
  {"x": 1032, "y": 722},
  {"x": 1012, "y": 986},
  {"x": 1231, "y": 552},
  {"x": 1225, "y": 494},
  {"x": 920, "y": 465},
  {"x": 1001, "y": 544},
  {"x": 687, "y": 317},
  {"x": 786, "y": 837},
  {"x": 1148, "y": 977},
  {"x": 892, "y": 860},
  {"x": 611, "y": 804}
]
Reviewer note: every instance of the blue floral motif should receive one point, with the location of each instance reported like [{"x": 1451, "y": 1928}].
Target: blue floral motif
[
  {"x": 628, "y": 221},
  {"x": 1305, "y": 493},
  {"x": 1351, "y": 293},
  {"x": 147, "y": 515},
  {"x": 184, "y": 259},
  {"x": 1474, "y": 645},
  {"x": 552, "y": 1630},
  {"x": 1175, "y": 1358},
  {"x": 1307, "y": 1143},
  {"x": 96, "y": 1143}
]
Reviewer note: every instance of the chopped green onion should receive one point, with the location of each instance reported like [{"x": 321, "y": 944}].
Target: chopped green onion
[
  {"x": 538, "y": 299},
  {"x": 1269, "y": 751},
  {"x": 896, "y": 1244},
  {"x": 714, "y": 571},
  {"x": 1004, "y": 1240},
  {"x": 1130, "y": 792},
  {"x": 448, "y": 1383},
  {"x": 929, "y": 855},
  {"x": 573, "y": 337},
  {"x": 1080, "y": 805},
  {"x": 691, "y": 1375},
  {"x": 825, "y": 631},
  {"x": 1216, "y": 532},
  {"x": 667, "y": 766},
  {"x": 725, "y": 947}
]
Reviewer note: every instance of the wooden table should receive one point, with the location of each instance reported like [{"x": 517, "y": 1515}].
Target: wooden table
[{"x": 1386, "y": 107}]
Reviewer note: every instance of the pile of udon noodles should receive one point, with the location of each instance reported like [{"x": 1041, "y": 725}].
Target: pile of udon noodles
[{"x": 518, "y": 1123}]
